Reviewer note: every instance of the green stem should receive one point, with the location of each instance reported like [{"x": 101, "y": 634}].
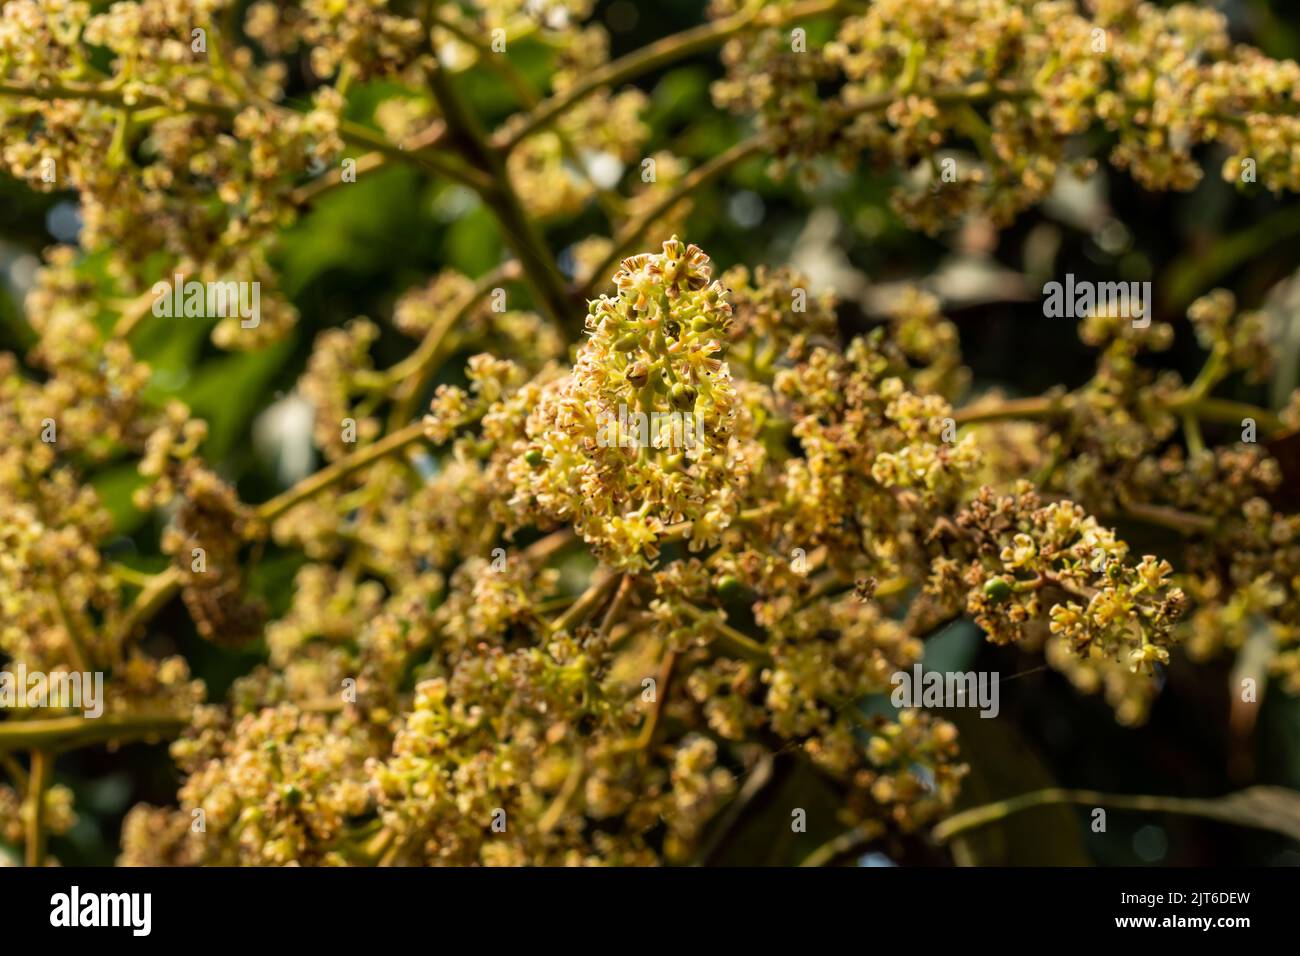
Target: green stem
[
  {"x": 655, "y": 56},
  {"x": 160, "y": 589},
  {"x": 57, "y": 734},
  {"x": 587, "y": 603},
  {"x": 539, "y": 267},
  {"x": 412, "y": 374},
  {"x": 1034, "y": 407},
  {"x": 76, "y": 643},
  {"x": 1211, "y": 373},
  {"x": 15, "y": 771},
  {"x": 1192, "y": 433},
  {"x": 37, "y": 785},
  {"x": 634, "y": 230},
  {"x": 847, "y": 842},
  {"x": 727, "y": 637},
  {"x": 993, "y": 812},
  {"x": 353, "y": 133},
  {"x": 326, "y": 478}
]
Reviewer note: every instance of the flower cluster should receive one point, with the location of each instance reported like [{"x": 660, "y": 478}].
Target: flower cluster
[
  {"x": 995, "y": 91},
  {"x": 599, "y": 594},
  {"x": 656, "y": 351}
]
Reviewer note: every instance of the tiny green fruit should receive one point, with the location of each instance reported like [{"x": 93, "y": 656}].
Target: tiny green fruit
[
  {"x": 997, "y": 590},
  {"x": 729, "y": 587}
]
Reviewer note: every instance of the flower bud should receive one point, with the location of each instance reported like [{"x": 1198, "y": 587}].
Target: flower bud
[{"x": 683, "y": 396}]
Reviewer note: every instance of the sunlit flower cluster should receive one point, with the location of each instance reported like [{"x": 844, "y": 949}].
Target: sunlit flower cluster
[
  {"x": 975, "y": 103},
  {"x": 605, "y": 540}
]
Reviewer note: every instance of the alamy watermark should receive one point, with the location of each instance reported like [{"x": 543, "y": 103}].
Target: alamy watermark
[
  {"x": 74, "y": 908},
  {"x": 920, "y": 688},
  {"x": 69, "y": 690},
  {"x": 217, "y": 300},
  {"x": 652, "y": 430},
  {"x": 1078, "y": 300}
]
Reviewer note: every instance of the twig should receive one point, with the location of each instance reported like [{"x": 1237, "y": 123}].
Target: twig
[
  {"x": 426, "y": 139},
  {"x": 543, "y": 549},
  {"x": 732, "y": 640},
  {"x": 1181, "y": 521},
  {"x": 633, "y": 231},
  {"x": 312, "y": 485},
  {"x": 1038, "y": 406},
  {"x": 652, "y": 57},
  {"x": 56, "y": 734},
  {"x": 721, "y": 833},
  {"x": 350, "y": 132},
  {"x": 535, "y": 258},
  {"x": 547, "y": 822},
  {"x": 1001, "y": 809},
  {"x": 15, "y": 771},
  {"x": 38, "y": 784},
  {"x": 587, "y": 602},
  {"x": 412, "y": 374},
  {"x": 842, "y": 845},
  {"x": 76, "y": 643},
  {"x": 157, "y": 592},
  {"x": 619, "y": 605}
]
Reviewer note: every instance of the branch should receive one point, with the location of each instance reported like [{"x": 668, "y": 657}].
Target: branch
[
  {"x": 426, "y": 139},
  {"x": 414, "y": 371},
  {"x": 1187, "y": 806},
  {"x": 350, "y": 132},
  {"x": 842, "y": 845},
  {"x": 1036, "y": 407},
  {"x": 312, "y": 485},
  {"x": 1226, "y": 412},
  {"x": 535, "y": 258},
  {"x": 727, "y": 637},
  {"x": 38, "y": 784},
  {"x": 77, "y": 649},
  {"x": 156, "y": 593},
  {"x": 56, "y": 734},
  {"x": 543, "y": 549},
  {"x": 1041, "y": 407},
  {"x": 475, "y": 179},
  {"x": 656, "y": 55},
  {"x": 1163, "y": 516},
  {"x": 587, "y": 602},
  {"x": 633, "y": 231}
]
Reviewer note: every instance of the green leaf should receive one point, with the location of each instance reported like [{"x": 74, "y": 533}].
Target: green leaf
[
  {"x": 1004, "y": 764},
  {"x": 114, "y": 486},
  {"x": 227, "y": 391},
  {"x": 1263, "y": 808}
]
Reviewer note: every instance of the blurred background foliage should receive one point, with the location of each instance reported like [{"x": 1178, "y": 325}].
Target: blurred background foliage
[{"x": 361, "y": 246}]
